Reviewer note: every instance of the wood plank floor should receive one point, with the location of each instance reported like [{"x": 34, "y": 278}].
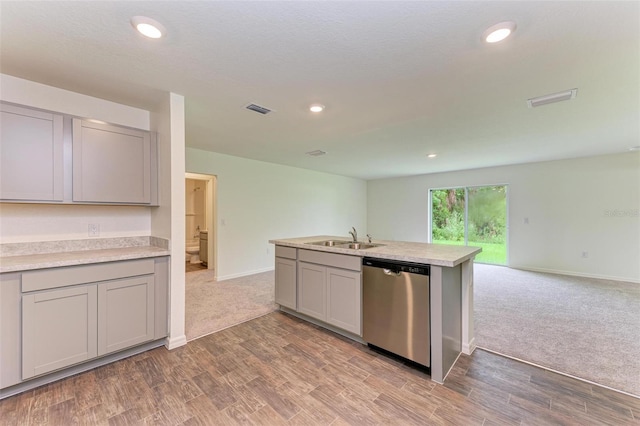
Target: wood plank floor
[{"x": 279, "y": 370}]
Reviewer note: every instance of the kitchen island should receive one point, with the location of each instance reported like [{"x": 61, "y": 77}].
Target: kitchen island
[{"x": 323, "y": 284}]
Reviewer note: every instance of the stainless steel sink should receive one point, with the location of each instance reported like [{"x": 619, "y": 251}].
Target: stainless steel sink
[
  {"x": 328, "y": 243},
  {"x": 359, "y": 246},
  {"x": 344, "y": 244}
]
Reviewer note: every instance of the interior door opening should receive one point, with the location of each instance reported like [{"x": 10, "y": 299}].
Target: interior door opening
[{"x": 200, "y": 232}]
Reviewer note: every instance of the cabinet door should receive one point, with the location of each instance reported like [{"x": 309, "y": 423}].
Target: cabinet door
[
  {"x": 125, "y": 313},
  {"x": 31, "y": 155},
  {"x": 344, "y": 299},
  {"x": 58, "y": 329},
  {"x": 10, "y": 330},
  {"x": 286, "y": 282},
  {"x": 161, "y": 290},
  {"x": 111, "y": 164},
  {"x": 312, "y": 294}
]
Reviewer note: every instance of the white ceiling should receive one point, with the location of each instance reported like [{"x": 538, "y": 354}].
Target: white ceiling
[{"x": 399, "y": 79}]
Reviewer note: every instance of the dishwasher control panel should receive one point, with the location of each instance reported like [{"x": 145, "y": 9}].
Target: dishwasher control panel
[{"x": 396, "y": 266}]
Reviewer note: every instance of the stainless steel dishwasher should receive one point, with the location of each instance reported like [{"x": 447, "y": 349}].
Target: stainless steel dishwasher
[{"x": 395, "y": 308}]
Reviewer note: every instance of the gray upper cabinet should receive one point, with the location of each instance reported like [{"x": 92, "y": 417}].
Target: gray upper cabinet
[
  {"x": 31, "y": 155},
  {"x": 112, "y": 164},
  {"x": 47, "y": 157}
]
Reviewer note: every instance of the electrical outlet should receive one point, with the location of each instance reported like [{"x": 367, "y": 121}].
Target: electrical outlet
[
  {"x": 526, "y": 220},
  {"x": 585, "y": 254},
  {"x": 93, "y": 230}
]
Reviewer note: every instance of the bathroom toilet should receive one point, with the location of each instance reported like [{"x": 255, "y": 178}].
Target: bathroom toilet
[{"x": 193, "y": 253}]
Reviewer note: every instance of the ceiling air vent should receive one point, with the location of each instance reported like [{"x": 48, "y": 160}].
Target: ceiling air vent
[
  {"x": 554, "y": 97},
  {"x": 316, "y": 153},
  {"x": 259, "y": 109}
]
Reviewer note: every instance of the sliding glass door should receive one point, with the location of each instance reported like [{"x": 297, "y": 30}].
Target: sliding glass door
[{"x": 474, "y": 216}]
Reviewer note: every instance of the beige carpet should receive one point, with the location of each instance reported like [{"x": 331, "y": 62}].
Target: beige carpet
[
  {"x": 213, "y": 306},
  {"x": 587, "y": 328}
]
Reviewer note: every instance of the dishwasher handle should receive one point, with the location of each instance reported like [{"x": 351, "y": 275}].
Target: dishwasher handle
[{"x": 390, "y": 272}]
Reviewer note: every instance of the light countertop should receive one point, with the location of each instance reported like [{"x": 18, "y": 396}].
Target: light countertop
[
  {"x": 431, "y": 254},
  {"x": 30, "y": 256}
]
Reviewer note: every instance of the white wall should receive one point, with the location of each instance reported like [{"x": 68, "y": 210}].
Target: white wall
[
  {"x": 45, "y": 222},
  {"x": 21, "y": 223},
  {"x": 259, "y": 201},
  {"x": 569, "y": 204}
]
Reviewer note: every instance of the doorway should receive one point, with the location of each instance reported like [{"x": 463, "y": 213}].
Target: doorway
[
  {"x": 200, "y": 213},
  {"x": 472, "y": 216}
]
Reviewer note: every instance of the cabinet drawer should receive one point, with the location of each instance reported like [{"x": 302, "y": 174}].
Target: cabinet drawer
[
  {"x": 286, "y": 252},
  {"x": 62, "y": 277},
  {"x": 353, "y": 263}
]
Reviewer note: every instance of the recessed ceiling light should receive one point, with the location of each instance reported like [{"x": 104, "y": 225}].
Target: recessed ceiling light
[
  {"x": 148, "y": 27},
  {"x": 499, "y": 32},
  {"x": 553, "y": 97},
  {"x": 316, "y": 108},
  {"x": 635, "y": 148},
  {"x": 432, "y": 155}
]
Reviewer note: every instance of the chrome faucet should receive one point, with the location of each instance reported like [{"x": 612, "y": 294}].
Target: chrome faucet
[
  {"x": 369, "y": 238},
  {"x": 354, "y": 234}
]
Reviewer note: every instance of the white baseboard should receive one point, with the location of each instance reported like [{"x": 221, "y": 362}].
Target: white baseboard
[
  {"x": 468, "y": 349},
  {"x": 175, "y": 342},
  {"x": 575, "y": 274},
  {"x": 76, "y": 369},
  {"x": 244, "y": 274}
]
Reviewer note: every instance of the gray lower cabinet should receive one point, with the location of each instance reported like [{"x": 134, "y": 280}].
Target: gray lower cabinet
[
  {"x": 10, "y": 329},
  {"x": 286, "y": 277},
  {"x": 125, "y": 313},
  {"x": 55, "y": 318},
  {"x": 344, "y": 299},
  {"x": 31, "y": 154},
  {"x": 286, "y": 274},
  {"x": 312, "y": 290},
  {"x": 59, "y": 328},
  {"x": 329, "y": 293}
]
